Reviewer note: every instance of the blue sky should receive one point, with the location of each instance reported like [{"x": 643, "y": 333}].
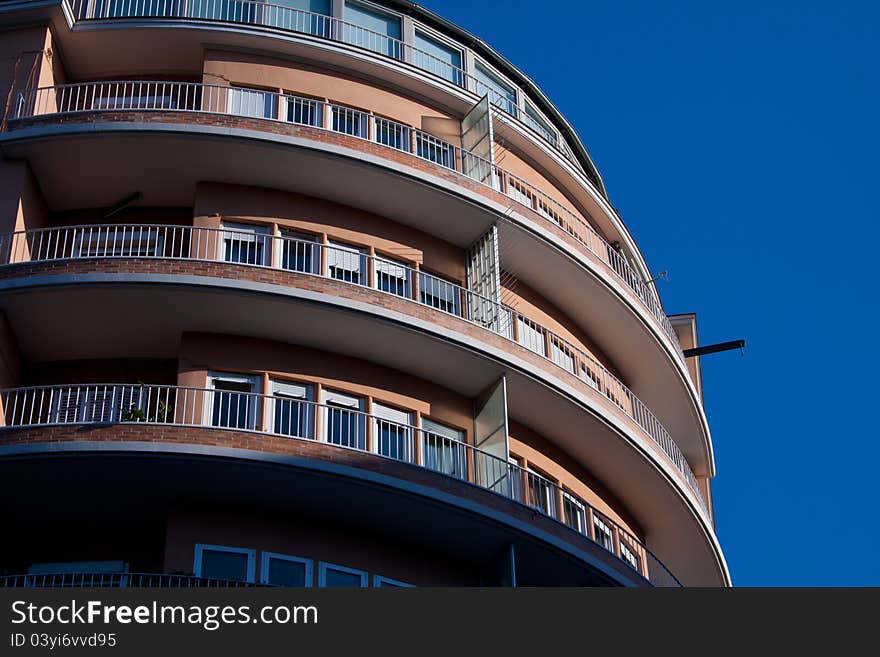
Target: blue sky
[{"x": 740, "y": 143}]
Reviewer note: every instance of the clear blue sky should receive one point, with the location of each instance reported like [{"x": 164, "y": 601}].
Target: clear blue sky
[{"x": 740, "y": 143}]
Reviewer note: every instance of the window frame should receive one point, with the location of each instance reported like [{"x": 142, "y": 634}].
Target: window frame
[
  {"x": 445, "y": 41},
  {"x": 333, "y": 246},
  {"x": 266, "y": 557},
  {"x": 379, "y": 259},
  {"x": 359, "y": 413},
  {"x": 308, "y": 399},
  {"x": 323, "y": 566},
  {"x": 408, "y": 430},
  {"x": 199, "y": 554},
  {"x": 491, "y": 72},
  {"x": 239, "y": 227},
  {"x": 395, "y": 583},
  {"x": 233, "y": 377}
]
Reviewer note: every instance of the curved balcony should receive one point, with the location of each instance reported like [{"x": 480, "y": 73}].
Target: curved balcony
[
  {"x": 336, "y": 428},
  {"x": 161, "y": 99},
  {"x": 18, "y": 251},
  {"x": 253, "y": 13},
  {"x": 119, "y": 581}
]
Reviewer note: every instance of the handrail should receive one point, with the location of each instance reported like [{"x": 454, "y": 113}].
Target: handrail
[
  {"x": 349, "y": 265},
  {"x": 265, "y": 105},
  {"x": 299, "y": 418},
  {"x": 264, "y": 14},
  {"x": 120, "y": 580}
]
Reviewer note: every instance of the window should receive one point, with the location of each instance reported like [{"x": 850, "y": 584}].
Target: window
[
  {"x": 346, "y": 263},
  {"x": 283, "y": 570},
  {"x": 349, "y": 121},
  {"x": 500, "y": 92},
  {"x": 392, "y": 432},
  {"x": 575, "y": 513},
  {"x": 440, "y": 59},
  {"x": 246, "y": 244},
  {"x": 603, "y": 533},
  {"x": 292, "y": 413},
  {"x": 629, "y": 556},
  {"x": 443, "y": 449},
  {"x": 562, "y": 354},
  {"x": 331, "y": 575},
  {"x": 530, "y": 335},
  {"x": 519, "y": 192},
  {"x": 343, "y": 421},
  {"x": 119, "y": 241},
  {"x": 254, "y": 103},
  {"x": 393, "y": 134},
  {"x": 300, "y": 252},
  {"x": 538, "y": 123},
  {"x": 541, "y": 493},
  {"x": 589, "y": 376},
  {"x": 434, "y": 150},
  {"x": 309, "y": 16},
  {"x": 439, "y": 294},
  {"x": 233, "y": 403},
  {"x": 372, "y": 28},
  {"x": 219, "y": 562},
  {"x": 304, "y": 111},
  {"x": 385, "y": 582},
  {"x": 391, "y": 276}
]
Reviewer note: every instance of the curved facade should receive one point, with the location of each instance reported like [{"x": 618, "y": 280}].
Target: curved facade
[{"x": 325, "y": 293}]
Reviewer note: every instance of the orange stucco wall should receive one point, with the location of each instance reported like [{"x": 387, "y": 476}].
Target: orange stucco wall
[
  {"x": 346, "y": 224},
  {"x": 200, "y": 352},
  {"x": 223, "y": 67}
]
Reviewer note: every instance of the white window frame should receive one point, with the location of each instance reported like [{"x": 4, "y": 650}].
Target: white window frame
[
  {"x": 527, "y": 327},
  {"x": 341, "y": 401},
  {"x": 630, "y": 557},
  {"x": 529, "y": 109},
  {"x": 232, "y": 377},
  {"x": 363, "y": 270},
  {"x": 237, "y": 229},
  {"x": 479, "y": 63},
  {"x": 458, "y": 445},
  {"x": 279, "y": 385},
  {"x": 563, "y": 354},
  {"x": 603, "y": 528},
  {"x": 239, "y": 90},
  {"x": 379, "y": 261},
  {"x": 378, "y": 580},
  {"x": 544, "y": 482},
  {"x": 201, "y": 547},
  {"x": 378, "y": 409},
  {"x": 265, "y": 557},
  {"x": 582, "y": 515},
  {"x": 323, "y": 566},
  {"x": 444, "y": 41},
  {"x": 303, "y": 240}
]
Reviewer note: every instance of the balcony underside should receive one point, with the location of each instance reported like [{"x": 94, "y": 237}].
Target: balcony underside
[
  {"x": 97, "y": 164},
  {"x": 365, "y": 497},
  {"x": 96, "y": 313}
]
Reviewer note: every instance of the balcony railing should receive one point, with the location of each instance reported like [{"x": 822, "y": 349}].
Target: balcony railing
[
  {"x": 349, "y": 265},
  {"x": 288, "y": 19},
  {"x": 118, "y": 581},
  {"x": 143, "y": 96},
  {"x": 301, "y": 419}
]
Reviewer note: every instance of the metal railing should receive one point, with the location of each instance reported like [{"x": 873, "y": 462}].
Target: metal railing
[
  {"x": 118, "y": 580},
  {"x": 263, "y": 14},
  {"x": 250, "y": 103},
  {"x": 348, "y": 264},
  {"x": 331, "y": 423}
]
